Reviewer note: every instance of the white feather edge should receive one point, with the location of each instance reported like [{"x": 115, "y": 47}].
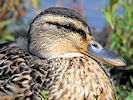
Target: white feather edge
[{"x": 67, "y": 55}]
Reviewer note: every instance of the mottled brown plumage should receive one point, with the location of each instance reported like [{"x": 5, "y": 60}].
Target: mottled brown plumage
[
  {"x": 61, "y": 78},
  {"x": 60, "y": 57}
]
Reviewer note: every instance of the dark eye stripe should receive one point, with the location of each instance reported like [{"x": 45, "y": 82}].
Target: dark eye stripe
[{"x": 71, "y": 28}]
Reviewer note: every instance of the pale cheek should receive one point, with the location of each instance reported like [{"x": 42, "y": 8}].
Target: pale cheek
[
  {"x": 81, "y": 43},
  {"x": 77, "y": 40}
]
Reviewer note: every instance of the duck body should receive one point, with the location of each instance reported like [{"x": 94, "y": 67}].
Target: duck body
[
  {"x": 79, "y": 78},
  {"x": 62, "y": 78}
]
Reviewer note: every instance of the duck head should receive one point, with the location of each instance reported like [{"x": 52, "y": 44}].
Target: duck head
[{"x": 57, "y": 31}]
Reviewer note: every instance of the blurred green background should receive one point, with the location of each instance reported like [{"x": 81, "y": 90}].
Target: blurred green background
[{"x": 111, "y": 22}]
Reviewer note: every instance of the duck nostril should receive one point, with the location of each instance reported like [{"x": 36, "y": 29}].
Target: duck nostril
[{"x": 95, "y": 45}]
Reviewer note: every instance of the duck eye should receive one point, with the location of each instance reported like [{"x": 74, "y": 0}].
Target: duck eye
[{"x": 68, "y": 26}]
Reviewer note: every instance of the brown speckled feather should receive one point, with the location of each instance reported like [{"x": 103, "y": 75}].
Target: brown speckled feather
[
  {"x": 77, "y": 78},
  {"x": 15, "y": 79}
]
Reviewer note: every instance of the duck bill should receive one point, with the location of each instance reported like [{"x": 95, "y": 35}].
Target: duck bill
[{"x": 97, "y": 52}]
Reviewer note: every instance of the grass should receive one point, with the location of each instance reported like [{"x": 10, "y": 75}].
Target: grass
[{"x": 44, "y": 95}]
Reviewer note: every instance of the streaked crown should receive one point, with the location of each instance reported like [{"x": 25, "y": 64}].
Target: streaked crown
[{"x": 57, "y": 31}]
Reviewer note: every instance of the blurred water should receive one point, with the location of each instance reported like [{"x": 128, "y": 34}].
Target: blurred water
[
  {"x": 94, "y": 16},
  {"x": 91, "y": 11}
]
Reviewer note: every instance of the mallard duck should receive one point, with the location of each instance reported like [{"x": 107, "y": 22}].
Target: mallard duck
[{"x": 60, "y": 57}]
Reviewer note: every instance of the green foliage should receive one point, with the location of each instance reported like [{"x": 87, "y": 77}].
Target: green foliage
[
  {"x": 122, "y": 26},
  {"x": 122, "y": 38},
  {"x": 125, "y": 92},
  {"x": 96, "y": 97},
  {"x": 11, "y": 13},
  {"x": 44, "y": 95},
  {"x": 130, "y": 96}
]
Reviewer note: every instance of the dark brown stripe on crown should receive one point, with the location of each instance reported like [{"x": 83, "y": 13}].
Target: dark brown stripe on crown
[
  {"x": 71, "y": 28},
  {"x": 66, "y": 12}
]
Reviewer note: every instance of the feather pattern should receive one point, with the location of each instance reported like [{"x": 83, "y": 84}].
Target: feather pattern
[{"x": 24, "y": 76}]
